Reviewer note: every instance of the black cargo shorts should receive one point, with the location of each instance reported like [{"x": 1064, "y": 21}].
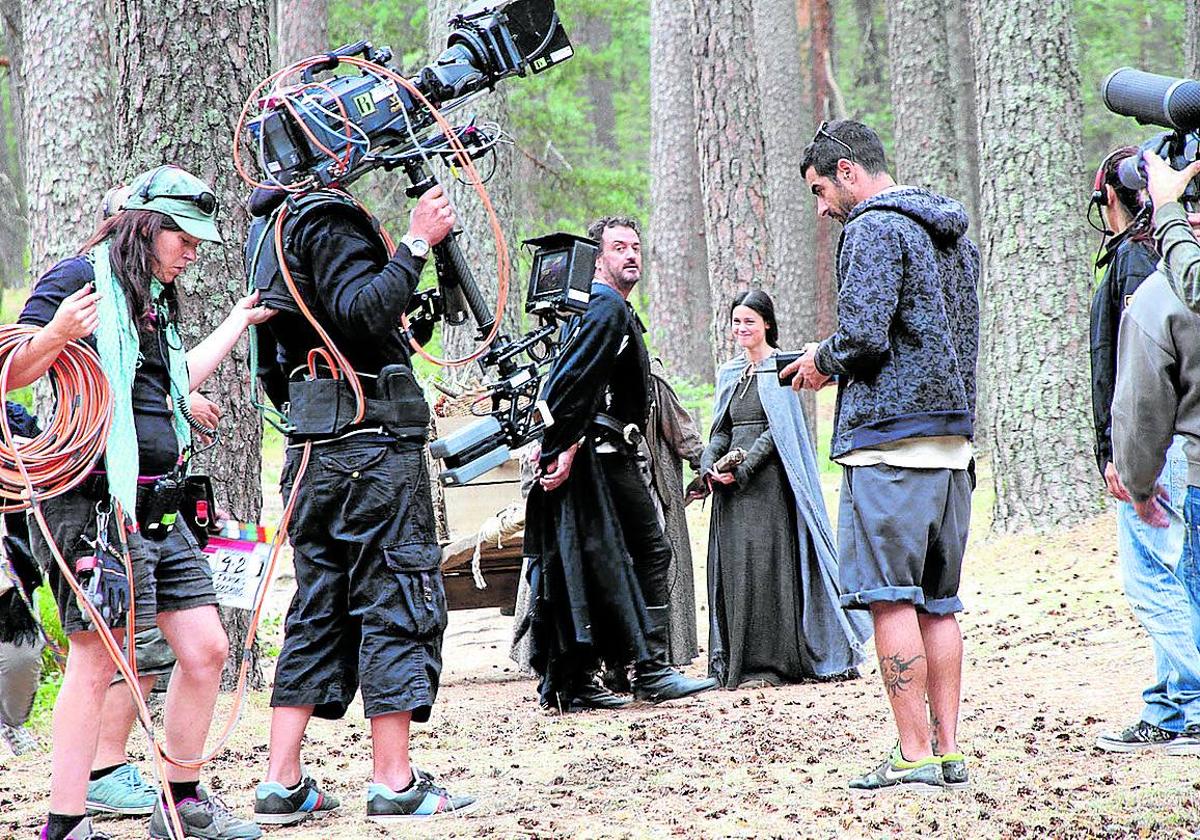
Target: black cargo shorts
[{"x": 370, "y": 605}]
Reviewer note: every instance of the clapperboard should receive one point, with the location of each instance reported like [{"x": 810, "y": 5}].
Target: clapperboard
[{"x": 239, "y": 555}]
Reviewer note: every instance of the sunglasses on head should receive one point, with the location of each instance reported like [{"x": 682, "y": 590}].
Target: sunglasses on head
[
  {"x": 823, "y": 131},
  {"x": 205, "y": 202}
]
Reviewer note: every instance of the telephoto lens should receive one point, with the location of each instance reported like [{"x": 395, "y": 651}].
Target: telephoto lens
[{"x": 1153, "y": 99}]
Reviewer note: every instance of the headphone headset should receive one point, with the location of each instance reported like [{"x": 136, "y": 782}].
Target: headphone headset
[{"x": 1099, "y": 193}]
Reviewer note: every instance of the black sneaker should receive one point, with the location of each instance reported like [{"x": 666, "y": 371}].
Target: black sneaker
[
  {"x": 422, "y": 800},
  {"x": 275, "y": 804},
  {"x": 1141, "y": 736}
]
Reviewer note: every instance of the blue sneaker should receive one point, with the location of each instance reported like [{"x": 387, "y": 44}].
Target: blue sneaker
[
  {"x": 275, "y": 804},
  {"x": 123, "y": 791},
  {"x": 422, "y": 800}
]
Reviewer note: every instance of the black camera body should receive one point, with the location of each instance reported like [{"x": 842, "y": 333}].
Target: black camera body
[
  {"x": 366, "y": 120},
  {"x": 1153, "y": 99}
]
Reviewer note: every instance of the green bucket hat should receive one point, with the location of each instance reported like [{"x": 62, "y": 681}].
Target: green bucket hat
[{"x": 184, "y": 197}]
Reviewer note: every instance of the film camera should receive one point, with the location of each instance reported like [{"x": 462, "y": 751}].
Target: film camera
[
  {"x": 1152, "y": 99},
  {"x": 559, "y": 290},
  {"x": 338, "y": 129}
]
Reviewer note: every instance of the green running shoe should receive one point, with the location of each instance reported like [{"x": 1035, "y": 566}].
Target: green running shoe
[
  {"x": 123, "y": 791},
  {"x": 897, "y": 773},
  {"x": 423, "y": 800},
  {"x": 954, "y": 771}
]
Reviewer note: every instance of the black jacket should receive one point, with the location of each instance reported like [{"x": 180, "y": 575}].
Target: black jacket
[
  {"x": 1132, "y": 262},
  {"x": 356, "y": 292}
]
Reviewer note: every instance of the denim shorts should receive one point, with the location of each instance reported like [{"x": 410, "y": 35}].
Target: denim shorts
[
  {"x": 168, "y": 576},
  {"x": 901, "y": 536},
  {"x": 370, "y": 604}
]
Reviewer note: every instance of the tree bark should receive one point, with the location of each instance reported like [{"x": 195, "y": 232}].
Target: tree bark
[
  {"x": 477, "y": 240},
  {"x": 14, "y": 229},
  {"x": 732, "y": 157},
  {"x": 925, "y": 147},
  {"x": 303, "y": 29},
  {"x": 873, "y": 51},
  {"x": 1035, "y": 275},
  {"x": 164, "y": 115},
  {"x": 68, "y": 137},
  {"x": 962, "y": 75},
  {"x": 791, "y": 211},
  {"x": 677, "y": 259},
  {"x": 816, "y": 22}
]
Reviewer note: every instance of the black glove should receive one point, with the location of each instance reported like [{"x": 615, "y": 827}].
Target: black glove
[{"x": 103, "y": 580}]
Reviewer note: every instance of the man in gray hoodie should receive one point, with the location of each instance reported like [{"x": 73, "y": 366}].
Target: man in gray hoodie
[{"x": 904, "y": 357}]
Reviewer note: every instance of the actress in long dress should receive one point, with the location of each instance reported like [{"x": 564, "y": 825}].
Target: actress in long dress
[{"x": 772, "y": 565}]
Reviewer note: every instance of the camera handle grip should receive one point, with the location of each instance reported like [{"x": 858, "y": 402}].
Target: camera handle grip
[
  {"x": 455, "y": 276},
  {"x": 333, "y": 59}
]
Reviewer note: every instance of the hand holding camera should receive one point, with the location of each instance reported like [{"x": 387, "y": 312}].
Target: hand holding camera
[{"x": 1164, "y": 183}]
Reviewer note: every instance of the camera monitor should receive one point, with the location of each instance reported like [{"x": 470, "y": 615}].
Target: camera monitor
[{"x": 561, "y": 278}]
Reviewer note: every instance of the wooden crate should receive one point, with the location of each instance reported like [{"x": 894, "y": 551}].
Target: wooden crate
[{"x": 467, "y": 508}]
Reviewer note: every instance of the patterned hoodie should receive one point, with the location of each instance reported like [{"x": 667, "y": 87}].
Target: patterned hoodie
[{"x": 908, "y": 322}]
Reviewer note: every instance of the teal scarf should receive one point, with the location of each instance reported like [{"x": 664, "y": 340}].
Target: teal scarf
[{"x": 119, "y": 347}]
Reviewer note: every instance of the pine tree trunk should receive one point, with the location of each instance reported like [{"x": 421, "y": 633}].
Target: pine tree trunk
[
  {"x": 184, "y": 71},
  {"x": 873, "y": 51},
  {"x": 14, "y": 229},
  {"x": 477, "y": 241},
  {"x": 962, "y": 74},
  {"x": 676, "y": 257},
  {"x": 732, "y": 157},
  {"x": 303, "y": 29},
  {"x": 816, "y": 27},
  {"x": 962, "y": 71},
  {"x": 1035, "y": 277},
  {"x": 925, "y": 148},
  {"x": 791, "y": 211},
  {"x": 64, "y": 77}
]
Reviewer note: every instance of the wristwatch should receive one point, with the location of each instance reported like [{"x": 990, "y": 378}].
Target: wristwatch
[{"x": 417, "y": 246}]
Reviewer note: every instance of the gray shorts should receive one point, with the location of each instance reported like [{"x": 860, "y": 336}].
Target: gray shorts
[
  {"x": 169, "y": 576},
  {"x": 154, "y": 655},
  {"x": 901, "y": 536}
]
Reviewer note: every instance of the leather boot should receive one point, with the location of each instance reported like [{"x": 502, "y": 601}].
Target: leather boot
[
  {"x": 654, "y": 680},
  {"x": 592, "y": 694}
]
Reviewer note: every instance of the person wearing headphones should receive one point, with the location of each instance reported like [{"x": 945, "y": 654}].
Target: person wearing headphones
[
  {"x": 118, "y": 295},
  {"x": 1148, "y": 556}
]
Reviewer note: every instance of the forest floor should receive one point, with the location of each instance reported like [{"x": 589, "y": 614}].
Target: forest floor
[{"x": 1053, "y": 657}]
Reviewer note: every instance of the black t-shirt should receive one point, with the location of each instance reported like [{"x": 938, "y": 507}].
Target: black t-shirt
[{"x": 158, "y": 448}]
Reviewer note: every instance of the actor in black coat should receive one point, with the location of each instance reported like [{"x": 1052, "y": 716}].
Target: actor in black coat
[{"x": 599, "y": 558}]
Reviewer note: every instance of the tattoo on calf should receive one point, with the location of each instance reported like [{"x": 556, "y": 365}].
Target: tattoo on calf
[
  {"x": 893, "y": 670},
  {"x": 933, "y": 731}
]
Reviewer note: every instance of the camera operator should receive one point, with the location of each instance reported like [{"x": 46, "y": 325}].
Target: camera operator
[
  {"x": 600, "y": 555},
  {"x": 1148, "y": 556},
  {"x": 370, "y": 607},
  {"x": 1158, "y": 397}
]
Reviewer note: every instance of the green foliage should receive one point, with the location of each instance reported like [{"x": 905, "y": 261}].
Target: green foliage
[
  {"x": 1146, "y": 34},
  {"x": 47, "y": 693}
]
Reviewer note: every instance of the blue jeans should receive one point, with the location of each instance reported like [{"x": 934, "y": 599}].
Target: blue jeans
[{"x": 1162, "y": 582}]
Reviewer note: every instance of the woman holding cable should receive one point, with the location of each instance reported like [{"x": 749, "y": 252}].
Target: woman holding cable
[{"x": 118, "y": 295}]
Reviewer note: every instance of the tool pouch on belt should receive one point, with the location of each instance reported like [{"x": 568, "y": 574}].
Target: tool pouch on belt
[
  {"x": 158, "y": 506},
  {"x": 325, "y": 407},
  {"x": 198, "y": 506}
]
